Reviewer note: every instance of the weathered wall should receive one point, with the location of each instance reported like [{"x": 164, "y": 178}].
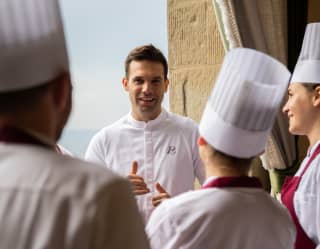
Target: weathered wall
[{"x": 195, "y": 54}]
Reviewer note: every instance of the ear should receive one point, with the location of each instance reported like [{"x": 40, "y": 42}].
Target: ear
[
  {"x": 125, "y": 83},
  {"x": 62, "y": 92},
  {"x": 316, "y": 97},
  {"x": 202, "y": 141},
  {"x": 166, "y": 83}
]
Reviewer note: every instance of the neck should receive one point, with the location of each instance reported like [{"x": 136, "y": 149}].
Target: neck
[
  {"x": 314, "y": 135},
  {"x": 220, "y": 170},
  {"x": 145, "y": 117},
  {"x": 35, "y": 123}
]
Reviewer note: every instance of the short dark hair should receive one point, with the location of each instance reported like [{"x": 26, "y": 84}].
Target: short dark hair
[
  {"x": 149, "y": 53},
  {"x": 27, "y": 99},
  {"x": 238, "y": 162}
]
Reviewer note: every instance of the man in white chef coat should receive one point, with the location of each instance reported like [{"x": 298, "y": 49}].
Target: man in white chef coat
[
  {"x": 49, "y": 200},
  {"x": 231, "y": 211},
  {"x": 155, "y": 149}
]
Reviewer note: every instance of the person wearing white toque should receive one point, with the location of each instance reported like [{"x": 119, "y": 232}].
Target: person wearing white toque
[
  {"x": 301, "y": 193},
  {"x": 48, "y": 200},
  {"x": 231, "y": 211}
]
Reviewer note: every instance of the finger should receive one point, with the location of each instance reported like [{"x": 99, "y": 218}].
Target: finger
[
  {"x": 134, "y": 167},
  {"x": 160, "y": 188},
  {"x": 141, "y": 188},
  {"x": 160, "y": 197},
  {"x": 156, "y": 203},
  {"x": 135, "y": 177},
  {"x": 141, "y": 192},
  {"x": 138, "y": 183}
]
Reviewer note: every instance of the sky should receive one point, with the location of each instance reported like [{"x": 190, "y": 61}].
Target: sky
[{"x": 100, "y": 34}]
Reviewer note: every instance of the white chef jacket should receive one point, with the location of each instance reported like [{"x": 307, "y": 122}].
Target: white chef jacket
[
  {"x": 165, "y": 148},
  {"x": 306, "y": 199},
  {"x": 221, "y": 218},
  {"x": 54, "y": 201}
]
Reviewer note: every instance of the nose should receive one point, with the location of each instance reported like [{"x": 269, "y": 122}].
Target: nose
[
  {"x": 285, "y": 108},
  {"x": 146, "y": 88}
]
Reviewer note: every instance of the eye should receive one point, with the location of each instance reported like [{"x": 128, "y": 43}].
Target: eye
[
  {"x": 138, "y": 81},
  {"x": 156, "y": 81}
]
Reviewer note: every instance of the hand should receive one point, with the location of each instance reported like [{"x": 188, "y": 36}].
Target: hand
[
  {"x": 156, "y": 200},
  {"x": 139, "y": 186}
]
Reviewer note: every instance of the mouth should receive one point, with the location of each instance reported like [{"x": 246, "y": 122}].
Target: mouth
[{"x": 146, "y": 100}]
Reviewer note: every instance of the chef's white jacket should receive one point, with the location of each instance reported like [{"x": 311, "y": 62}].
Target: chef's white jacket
[
  {"x": 165, "y": 148},
  {"x": 221, "y": 218},
  {"x": 307, "y": 197},
  {"x": 54, "y": 201}
]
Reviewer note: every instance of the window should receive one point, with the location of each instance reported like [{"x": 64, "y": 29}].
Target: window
[{"x": 99, "y": 35}]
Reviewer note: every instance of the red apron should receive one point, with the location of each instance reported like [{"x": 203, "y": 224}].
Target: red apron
[
  {"x": 11, "y": 134},
  {"x": 229, "y": 181},
  {"x": 287, "y": 193}
]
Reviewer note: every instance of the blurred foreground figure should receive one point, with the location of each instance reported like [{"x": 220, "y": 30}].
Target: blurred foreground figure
[
  {"x": 48, "y": 200},
  {"x": 231, "y": 211}
]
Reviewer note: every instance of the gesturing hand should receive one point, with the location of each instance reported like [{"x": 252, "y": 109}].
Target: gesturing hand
[
  {"x": 139, "y": 186},
  {"x": 163, "y": 195}
]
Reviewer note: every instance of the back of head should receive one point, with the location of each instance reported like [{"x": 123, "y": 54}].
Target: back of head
[
  {"x": 242, "y": 107},
  {"x": 148, "y": 53},
  {"x": 32, "y": 44}
]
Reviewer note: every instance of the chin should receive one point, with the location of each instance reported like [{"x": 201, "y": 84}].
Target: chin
[{"x": 295, "y": 131}]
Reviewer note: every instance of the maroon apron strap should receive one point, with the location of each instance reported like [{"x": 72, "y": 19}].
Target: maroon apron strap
[
  {"x": 12, "y": 134},
  {"x": 287, "y": 195},
  {"x": 243, "y": 181}
]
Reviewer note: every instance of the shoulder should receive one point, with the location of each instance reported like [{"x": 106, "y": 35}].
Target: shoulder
[
  {"x": 83, "y": 174},
  {"x": 175, "y": 210},
  {"x": 110, "y": 130},
  {"x": 61, "y": 175},
  {"x": 182, "y": 121}
]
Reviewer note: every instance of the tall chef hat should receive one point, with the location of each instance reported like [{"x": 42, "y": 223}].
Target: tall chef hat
[
  {"x": 244, "y": 102},
  {"x": 307, "y": 69},
  {"x": 32, "y": 44}
]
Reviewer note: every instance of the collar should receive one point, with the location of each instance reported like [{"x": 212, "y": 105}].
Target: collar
[
  {"x": 209, "y": 179},
  {"x": 231, "y": 181},
  {"x": 11, "y": 134},
  {"x": 312, "y": 149},
  {"x": 150, "y": 124}
]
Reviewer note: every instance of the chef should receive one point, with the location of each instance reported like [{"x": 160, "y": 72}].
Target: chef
[
  {"x": 301, "y": 193},
  {"x": 231, "y": 210},
  {"x": 49, "y": 200}
]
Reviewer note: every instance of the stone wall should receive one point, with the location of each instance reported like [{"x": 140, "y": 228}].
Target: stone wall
[{"x": 195, "y": 55}]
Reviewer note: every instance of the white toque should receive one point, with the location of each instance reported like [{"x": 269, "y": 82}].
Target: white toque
[
  {"x": 307, "y": 69},
  {"x": 32, "y": 43},
  {"x": 242, "y": 107}
]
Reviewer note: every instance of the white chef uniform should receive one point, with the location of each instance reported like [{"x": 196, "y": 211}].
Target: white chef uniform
[
  {"x": 165, "y": 149},
  {"x": 306, "y": 198},
  {"x": 49, "y": 200},
  {"x": 232, "y": 212}
]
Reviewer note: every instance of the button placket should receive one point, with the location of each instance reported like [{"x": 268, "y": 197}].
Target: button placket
[{"x": 149, "y": 165}]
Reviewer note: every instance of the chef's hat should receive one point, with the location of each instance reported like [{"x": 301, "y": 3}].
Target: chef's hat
[
  {"x": 32, "y": 44},
  {"x": 307, "y": 69},
  {"x": 244, "y": 102}
]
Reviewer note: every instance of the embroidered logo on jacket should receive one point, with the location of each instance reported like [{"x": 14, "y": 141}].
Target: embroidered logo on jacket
[{"x": 171, "y": 150}]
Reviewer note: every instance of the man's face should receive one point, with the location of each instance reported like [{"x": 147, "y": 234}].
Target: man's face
[{"x": 146, "y": 86}]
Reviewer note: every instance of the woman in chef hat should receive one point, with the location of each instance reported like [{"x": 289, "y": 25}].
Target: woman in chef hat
[{"x": 301, "y": 193}]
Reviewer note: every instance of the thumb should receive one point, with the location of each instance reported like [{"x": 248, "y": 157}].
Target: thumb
[
  {"x": 134, "y": 168},
  {"x": 160, "y": 189}
]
